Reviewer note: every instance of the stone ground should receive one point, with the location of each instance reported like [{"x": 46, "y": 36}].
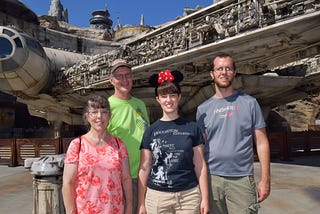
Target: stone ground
[{"x": 295, "y": 188}]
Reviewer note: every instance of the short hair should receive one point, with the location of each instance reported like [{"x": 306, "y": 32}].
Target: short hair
[{"x": 224, "y": 55}]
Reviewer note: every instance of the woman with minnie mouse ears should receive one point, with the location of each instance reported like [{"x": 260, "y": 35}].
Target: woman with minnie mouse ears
[{"x": 172, "y": 173}]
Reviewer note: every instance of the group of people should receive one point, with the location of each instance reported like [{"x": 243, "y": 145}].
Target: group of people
[{"x": 125, "y": 165}]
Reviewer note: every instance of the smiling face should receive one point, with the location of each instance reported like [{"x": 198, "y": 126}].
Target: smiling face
[
  {"x": 98, "y": 118},
  {"x": 223, "y": 72},
  {"x": 97, "y": 113},
  {"x": 168, "y": 95},
  {"x": 169, "y": 103},
  {"x": 121, "y": 79}
]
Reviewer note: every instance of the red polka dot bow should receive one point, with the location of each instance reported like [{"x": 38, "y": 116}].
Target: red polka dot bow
[{"x": 165, "y": 76}]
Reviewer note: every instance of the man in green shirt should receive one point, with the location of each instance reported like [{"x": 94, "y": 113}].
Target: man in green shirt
[{"x": 129, "y": 117}]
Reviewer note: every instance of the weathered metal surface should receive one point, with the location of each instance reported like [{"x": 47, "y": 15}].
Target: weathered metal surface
[
  {"x": 47, "y": 165},
  {"x": 260, "y": 36},
  {"x": 275, "y": 44}
]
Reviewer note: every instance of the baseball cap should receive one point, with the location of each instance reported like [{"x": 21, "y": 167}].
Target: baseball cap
[{"x": 119, "y": 63}]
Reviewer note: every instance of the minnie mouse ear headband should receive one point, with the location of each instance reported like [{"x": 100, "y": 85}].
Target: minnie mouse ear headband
[{"x": 172, "y": 76}]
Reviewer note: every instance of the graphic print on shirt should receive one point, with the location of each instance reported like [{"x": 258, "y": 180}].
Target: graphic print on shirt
[
  {"x": 141, "y": 121},
  {"x": 226, "y": 111},
  {"x": 164, "y": 156}
]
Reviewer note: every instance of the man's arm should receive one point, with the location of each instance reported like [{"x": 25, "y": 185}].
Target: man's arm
[{"x": 263, "y": 150}]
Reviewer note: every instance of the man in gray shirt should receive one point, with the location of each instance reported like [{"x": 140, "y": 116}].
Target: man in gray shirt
[{"x": 233, "y": 121}]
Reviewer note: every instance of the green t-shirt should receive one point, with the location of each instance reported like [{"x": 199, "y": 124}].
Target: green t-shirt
[{"x": 129, "y": 119}]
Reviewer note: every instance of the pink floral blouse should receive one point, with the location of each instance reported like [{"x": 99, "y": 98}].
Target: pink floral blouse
[{"x": 98, "y": 188}]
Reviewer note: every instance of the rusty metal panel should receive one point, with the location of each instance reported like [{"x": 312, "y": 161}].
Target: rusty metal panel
[
  {"x": 7, "y": 152},
  {"x": 298, "y": 142},
  {"x": 36, "y": 147},
  {"x": 314, "y": 141},
  {"x": 65, "y": 144},
  {"x": 278, "y": 145}
]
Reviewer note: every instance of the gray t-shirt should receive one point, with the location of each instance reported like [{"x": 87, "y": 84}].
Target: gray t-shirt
[{"x": 229, "y": 124}]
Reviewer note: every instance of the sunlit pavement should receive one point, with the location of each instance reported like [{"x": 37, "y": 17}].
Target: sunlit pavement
[
  {"x": 295, "y": 188},
  {"x": 15, "y": 190}
]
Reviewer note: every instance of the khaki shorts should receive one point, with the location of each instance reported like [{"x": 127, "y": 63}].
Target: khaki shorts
[
  {"x": 232, "y": 195},
  {"x": 184, "y": 202}
]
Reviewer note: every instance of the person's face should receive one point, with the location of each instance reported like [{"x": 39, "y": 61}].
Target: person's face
[
  {"x": 121, "y": 79},
  {"x": 169, "y": 102},
  {"x": 223, "y": 72},
  {"x": 98, "y": 118}
]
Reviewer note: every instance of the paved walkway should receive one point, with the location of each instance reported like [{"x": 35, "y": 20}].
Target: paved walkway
[
  {"x": 15, "y": 190},
  {"x": 295, "y": 188}
]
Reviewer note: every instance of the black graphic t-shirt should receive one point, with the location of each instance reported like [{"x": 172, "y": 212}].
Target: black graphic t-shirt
[{"x": 171, "y": 144}]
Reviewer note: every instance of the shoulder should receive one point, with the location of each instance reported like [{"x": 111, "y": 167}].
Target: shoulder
[
  {"x": 244, "y": 99},
  {"x": 73, "y": 150},
  {"x": 191, "y": 123},
  {"x": 245, "y": 96},
  {"x": 136, "y": 100},
  {"x": 117, "y": 141},
  {"x": 119, "y": 146},
  {"x": 76, "y": 141},
  {"x": 185, "y": 121},
  {"x": 114, "y": 101},
  {"x": 207, "y": 101},
  {"x": 239, "y": 96},
  {"x": 155, "y": 124},
  {"x": 111, "y": 98}
]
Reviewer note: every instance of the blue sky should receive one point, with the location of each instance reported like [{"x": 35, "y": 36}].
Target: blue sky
[{"x": 155, "y": 12}]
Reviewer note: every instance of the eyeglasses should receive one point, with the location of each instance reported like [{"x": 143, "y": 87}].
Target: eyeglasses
[
  {"x": 221, "y": 69},
  {"x": 123, "y": 76},
  {"x": 94, "y": 114}
]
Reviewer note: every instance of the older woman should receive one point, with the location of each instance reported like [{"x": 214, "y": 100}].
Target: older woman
[{"x": 96, "y": 176}]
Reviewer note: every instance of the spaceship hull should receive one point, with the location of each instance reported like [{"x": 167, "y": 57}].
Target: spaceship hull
[{"x": 26, "y": 68}]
